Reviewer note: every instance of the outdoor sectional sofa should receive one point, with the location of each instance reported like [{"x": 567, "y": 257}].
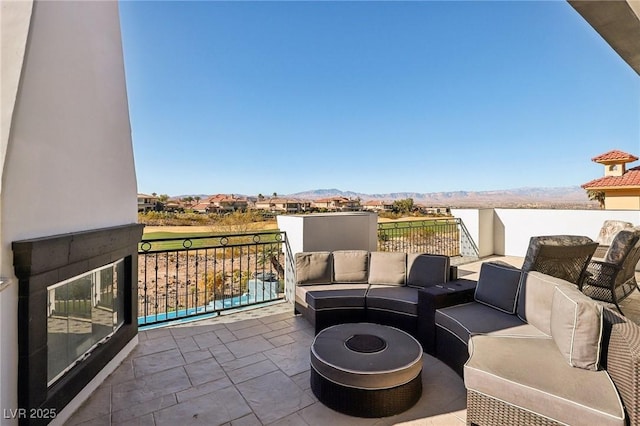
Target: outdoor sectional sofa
[
  {"x": 358, "y": 286},
  {"x": 533, "y": 349}
]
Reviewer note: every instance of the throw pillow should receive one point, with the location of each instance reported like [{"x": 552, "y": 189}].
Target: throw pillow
[
  {"x": 426, "y": 270},
  {"x": 498, "y": 286},
  {"x": 350, "y": 266},
  {"x": 387, "y": 268},
  {"x": 313, "y": 268},
  {"x": 576, "y": 327}
]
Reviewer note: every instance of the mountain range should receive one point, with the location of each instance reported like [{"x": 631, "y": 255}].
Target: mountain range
[{"x": 572, "y": 196}]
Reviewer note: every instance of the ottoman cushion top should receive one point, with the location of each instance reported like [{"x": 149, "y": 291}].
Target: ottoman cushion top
[{"x": 366, "y": 356}]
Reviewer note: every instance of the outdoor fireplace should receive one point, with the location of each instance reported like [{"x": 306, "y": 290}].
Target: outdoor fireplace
[{"x": 76, "y": 311}]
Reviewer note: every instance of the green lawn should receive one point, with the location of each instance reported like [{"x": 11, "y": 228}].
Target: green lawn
[{"x": 178, "y": 239}]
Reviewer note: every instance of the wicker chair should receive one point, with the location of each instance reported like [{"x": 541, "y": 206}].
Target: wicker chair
[
  {"x": 607, "y": 233},
  {"x": 561, "y": 256},
  {"x": 613, "y": 278}
]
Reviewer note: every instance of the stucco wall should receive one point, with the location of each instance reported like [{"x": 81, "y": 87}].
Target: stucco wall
[
  {"x": 512, "y": 228},
  {"x": 479, "y": 223},
  {"x": 69, "y": 158},
  {"x": 331, "y": 231},
  {"x": 622, "y": 201}
]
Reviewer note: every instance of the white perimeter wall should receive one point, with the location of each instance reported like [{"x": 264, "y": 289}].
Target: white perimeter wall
[
  {"x": 68, "y": 159},
  {"x": 331, "y": 231},
  {"x": 507, "y": 231}
]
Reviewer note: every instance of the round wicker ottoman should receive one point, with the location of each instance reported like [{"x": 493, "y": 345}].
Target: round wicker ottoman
[{"x": 366, "y": 370}]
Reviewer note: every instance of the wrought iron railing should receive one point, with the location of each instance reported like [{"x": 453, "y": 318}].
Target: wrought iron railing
[
  {"x": 448, "y": 237},
  {"x": 186, "y": 277}
]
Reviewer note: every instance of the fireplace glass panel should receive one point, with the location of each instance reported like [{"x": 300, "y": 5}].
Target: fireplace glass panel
[{"x": 82, "y": 312}]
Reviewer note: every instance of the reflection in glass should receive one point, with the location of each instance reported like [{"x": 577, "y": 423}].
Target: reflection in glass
[{"x": 82, "y": 312}]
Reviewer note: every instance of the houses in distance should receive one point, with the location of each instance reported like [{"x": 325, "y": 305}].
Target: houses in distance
[{"x": 229, "y": 203}]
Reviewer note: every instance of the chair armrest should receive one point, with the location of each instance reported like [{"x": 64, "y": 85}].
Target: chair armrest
[
  {"x": 431, "y": 298},
  {"x": 600, "y": 273}
]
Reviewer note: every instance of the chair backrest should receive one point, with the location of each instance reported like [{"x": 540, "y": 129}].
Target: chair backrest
[
  {"x": 624, "y": 251},
  {"x": 609, "y": 230},
  {"x": 561, "y": 256}
]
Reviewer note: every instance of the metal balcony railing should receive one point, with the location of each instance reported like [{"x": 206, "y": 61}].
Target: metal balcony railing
[
  {"x": 447, "y": 237},
  {"x": 186, "y": 277}
]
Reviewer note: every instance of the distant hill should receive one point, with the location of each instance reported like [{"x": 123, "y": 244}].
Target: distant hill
[{"x": 560, "y": 197}]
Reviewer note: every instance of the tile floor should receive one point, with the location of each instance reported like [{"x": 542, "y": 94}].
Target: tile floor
[{"x": 249, "y": 368}]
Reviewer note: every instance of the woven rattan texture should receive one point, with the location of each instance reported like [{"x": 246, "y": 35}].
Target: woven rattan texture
[
  {"x": 623, "y": 362},
  {"x": 363, "y": 402},
  {"x": 566, "y": 262},
  {"x": 485, "y": 411}
]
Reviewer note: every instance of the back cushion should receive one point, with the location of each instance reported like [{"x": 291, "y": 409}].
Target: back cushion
[
  {"x": 535, "y": 297},
  {"x": 498, "y": 286},
  {"x": 426, "y": 270},
  {"x": 622, "y": 243},
  {"x": 576, "y": 327},
  {"x": 350, "y": 266},
  {"x": 387, "y": 268},
  {"x": 313, "y": 268}
]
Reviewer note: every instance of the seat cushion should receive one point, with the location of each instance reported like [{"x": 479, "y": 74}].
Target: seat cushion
[
  {"x": 387, "y": 268},
  {"x": 498, "y": 286},
  {"x": 532, "y": 374},
  {"x": 426, "y": 270},
  {"x": 576, "y": 327},
  {"x": 474, "y": 318},
  {"x": 393, "y": 298},
  {"x": 335, "y": 296},
  {"x": 313, "y": 268},
  {"x": 350, "y": 266}
]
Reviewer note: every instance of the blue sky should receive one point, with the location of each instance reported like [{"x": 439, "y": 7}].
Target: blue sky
[{"x": 372, "y": 97}]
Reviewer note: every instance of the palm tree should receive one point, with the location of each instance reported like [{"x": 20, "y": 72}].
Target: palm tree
[
  {"x": 595, "y": 195},
  {"x": 270, "y": 254}
]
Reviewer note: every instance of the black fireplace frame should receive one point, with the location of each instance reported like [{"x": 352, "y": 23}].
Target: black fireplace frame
[{"x": 42, "y": 262}]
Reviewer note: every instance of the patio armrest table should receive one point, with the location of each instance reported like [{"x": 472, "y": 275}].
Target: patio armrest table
[{"x": 431, "y": 298}]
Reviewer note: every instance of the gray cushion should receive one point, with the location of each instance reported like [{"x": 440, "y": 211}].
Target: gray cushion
[
  {"x": 313, "y": 268},
  {"x": 473, "y": 318},
  {"x": 350, "y": 266},
  {"x": 393, "y": 298},
  {"x": 576, "y": 327},
  {"x": 535, "y": 298},
  {"x": 498, "y": 286},
  {"x": 335, "y": 296},
  {"x": 387, "y": 268},
  {"x": 609, "y": 230},
  {"x": 622, "y": 243},
  {"x": 532, "y": 374},
  {"x": 426, "y": 270}
]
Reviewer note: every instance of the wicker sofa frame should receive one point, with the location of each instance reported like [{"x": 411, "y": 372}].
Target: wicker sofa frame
[{"x": 620, "y": 357}]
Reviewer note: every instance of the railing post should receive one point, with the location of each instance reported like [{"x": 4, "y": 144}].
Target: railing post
[{"x": 289, "y": 272}]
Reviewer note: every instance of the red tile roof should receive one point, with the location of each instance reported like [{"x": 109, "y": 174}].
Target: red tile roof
[
  {"x": 630, "y": 178},
  {"x": 614, "y": 155}
]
